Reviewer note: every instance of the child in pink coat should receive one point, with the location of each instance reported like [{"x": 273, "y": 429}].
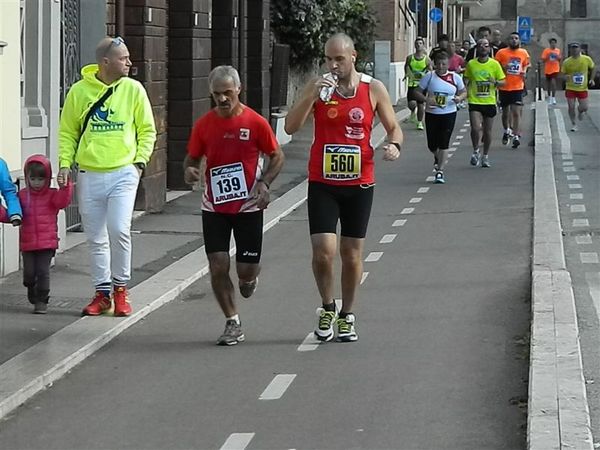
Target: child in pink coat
[{"x": 38, "y": 236}]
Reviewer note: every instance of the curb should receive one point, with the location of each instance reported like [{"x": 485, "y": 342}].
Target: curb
[
  {"x": 558, "y": 415},
  {"x": 35, "y": 369}
]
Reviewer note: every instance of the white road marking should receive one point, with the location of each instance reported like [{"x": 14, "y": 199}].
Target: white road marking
[
  {"x": 451, "y": 149},
  {"x": 463, "y": 130},
  {"x": 578, "y": 208},
  {"x": 568, "y": 163},
  {"x": 569, "y": 169},
  {"x": 593, "y": 281},
  {"x": 277, "y": 386},
  {"x": 408, "y": 210},
  {"x": 567, "y": 156},
  {"x": 583, "y": 240},
  {"x": 309, "y": 343},
  {"x": 562, "y": 132},
  {"x": 573, "y": 177},
  {"x": 415, "y": 200},
  {"x": 456, "y": 143},
  {"x": 450, "y": 155},
  {"x": 423, "y": 190},
  {"x": 588, "y": 257},
  {"x": 581, "y": 223},
  {"x": 338, "y": 304},
  {"x": 399, "y": 222},
  {"x": 578, "y": 196},
  {"x": 374, "y": 256},
  {"x": 364, "y": 277},
  {"x": 237, "y": 441},
  {"x": 459, "y": 137},
  {"x": 431, "y": 178},
  {"x": 575, "y": 186},
  {"x": 387, "y": 238}
]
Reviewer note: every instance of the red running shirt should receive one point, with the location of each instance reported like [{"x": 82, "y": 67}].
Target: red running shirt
[
  {"x": 341, "y": 153},
  {"x": 232, "y": 147}
]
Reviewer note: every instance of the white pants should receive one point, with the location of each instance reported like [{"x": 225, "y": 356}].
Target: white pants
[{"x": 106, "y": 201}]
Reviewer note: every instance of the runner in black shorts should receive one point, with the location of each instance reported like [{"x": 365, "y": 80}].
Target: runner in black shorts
[
  {"x": 247, "y": 231},
  {"x": 488, "y": 111},
  {"x": 351, "y": 205}
]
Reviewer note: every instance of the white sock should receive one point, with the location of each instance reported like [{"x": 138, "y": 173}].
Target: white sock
[
  {"x": 235, "y": 317},
  {"x": 476, "y": 150}
]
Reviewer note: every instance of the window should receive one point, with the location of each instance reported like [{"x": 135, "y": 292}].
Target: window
[
  {"x": 578, "y": 8},
  {"x": 508, "y": 9}
]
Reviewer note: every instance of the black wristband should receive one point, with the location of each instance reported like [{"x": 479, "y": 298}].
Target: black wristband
[
  {"x": 265, "y": 183},
  {"x": 397, "y": 145}
]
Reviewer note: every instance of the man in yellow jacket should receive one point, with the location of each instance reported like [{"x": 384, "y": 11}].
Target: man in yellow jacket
[{"x": 107, "y": 133}]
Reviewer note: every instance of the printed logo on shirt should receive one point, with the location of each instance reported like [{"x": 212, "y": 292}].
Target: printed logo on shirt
[
  {"x": 244, "y": 134},
  {"x": 332, "y": 113},
  {"x": 101, "y": 122},
  {"x": 356, "y": 115}
]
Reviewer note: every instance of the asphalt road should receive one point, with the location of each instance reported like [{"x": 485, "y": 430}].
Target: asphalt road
[{"x": 443, "y": 319}]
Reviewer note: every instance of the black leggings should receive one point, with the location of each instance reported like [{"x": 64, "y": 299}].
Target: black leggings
[
  {"x": 36, "y": 274},
  {"x": 439, "y": 130}
]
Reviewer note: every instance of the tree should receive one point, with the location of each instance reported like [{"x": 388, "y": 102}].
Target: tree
[{"x": 305, "y": 25}]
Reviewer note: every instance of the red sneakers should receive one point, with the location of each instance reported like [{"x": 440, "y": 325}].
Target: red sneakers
[
  {"x": 121, "y": 299},
  {"x": 100, "y": 304}
]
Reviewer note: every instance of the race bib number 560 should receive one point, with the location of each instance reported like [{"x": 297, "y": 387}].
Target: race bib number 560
[
  {"x": 341, "y": 162},
  {"x": 228, "y": 183}
]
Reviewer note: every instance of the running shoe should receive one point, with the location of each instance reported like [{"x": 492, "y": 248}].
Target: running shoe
[
  {"x": 40, "y": 308},
  {"x": 232, "y": 334},
  {"x": 554, "y": 100},
  {"x": 506, "y": 137},
  {"x": 485, "y": 161},
  {"x": 475, "y": 158},
  {"x": 100, "y": 304},
  {"x": 324, "y": 331},
  {"x": 420, "y": 126},
  {"x": 439, "y": 177},
  {"x": 516, "y": 141},
  {"x": 247, "y": 288},
  {"x": 413, "y": 118},
  {"x": 121, "y": 299},
  {"x": 346, "y": 331},
  {"x": 574, "y": 128}
]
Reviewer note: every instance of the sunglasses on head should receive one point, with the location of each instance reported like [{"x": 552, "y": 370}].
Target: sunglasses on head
[{"x": 114, "y": 42}]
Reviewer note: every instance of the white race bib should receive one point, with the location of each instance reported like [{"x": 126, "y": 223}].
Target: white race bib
[
  {"x": 578, "y": 79},
  {"x": 228, "y": 183}
]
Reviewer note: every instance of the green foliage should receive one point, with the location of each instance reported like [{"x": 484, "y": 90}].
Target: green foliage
[{"x": 305, "y": 25}]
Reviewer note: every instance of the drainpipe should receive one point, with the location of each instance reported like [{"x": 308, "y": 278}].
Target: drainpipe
[
  {"x": 242, "y": 45},
  {"x": 120, "y": 18}
]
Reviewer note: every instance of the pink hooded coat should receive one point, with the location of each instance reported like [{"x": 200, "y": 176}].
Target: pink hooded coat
[{"x": 39, "y": 230}]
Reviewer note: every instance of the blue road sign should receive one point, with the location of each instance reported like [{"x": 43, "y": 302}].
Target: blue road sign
[
  {"x": 435, "y": 15},
  {"x": 524, "y": 28}
]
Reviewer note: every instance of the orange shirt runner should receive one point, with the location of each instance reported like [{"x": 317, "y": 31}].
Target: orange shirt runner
[
  {"x": 514, "y": 62},
  {"x": 551, "y": 58}
]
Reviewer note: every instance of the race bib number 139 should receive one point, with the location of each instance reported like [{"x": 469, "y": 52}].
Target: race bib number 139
[
  {"x": 228, "y": 183},
  {"x": 341, "y": 162}
]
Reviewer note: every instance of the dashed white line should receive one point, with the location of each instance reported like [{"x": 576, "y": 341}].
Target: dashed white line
[
  {"x": 588, "y": 257},
  {"x": 431, "y": 178},
  {"x": 309, "y": 343},
  {"x": 581, "y": 223},
  {"x": 408, "y": 210},
  {"x": 399, "y": 222},
  {"x": 422, "y": 190},
  {"x": 569, "y": 169},
  {"x": 415, "y": 200},
  {"x": 459, "y": 137},
  {"x": 583, "y": 240},
  {"x": 573, "y": 177},
  {"x": 568, "y": 163},
  {"x": 237, "y": 441},
  {"x": 374, "y": 256},
  {"x": 364, "y": 277},
  {"x": 277, "y": 386},
  {"x": 578, "y": 208},
  {"x": 387, "y": 238},
  {"x": 567, "y": 156},
  {"x": 575, "y": 186},
  {"x": 451, "y": 149},
  {"x": 578, "y": 196},
  {"x": 463, "y": 130},
  {"x": 456, "y": 143}
]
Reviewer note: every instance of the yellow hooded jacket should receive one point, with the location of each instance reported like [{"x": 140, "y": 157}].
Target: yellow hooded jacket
[{"x": 120, "y": 133}]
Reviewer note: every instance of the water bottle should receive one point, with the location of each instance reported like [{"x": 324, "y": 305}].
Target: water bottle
[{"x": 327, "y": 91}]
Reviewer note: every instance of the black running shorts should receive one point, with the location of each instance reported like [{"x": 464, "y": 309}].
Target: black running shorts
[
  {"x": 439, "y": 129},
  {"x": 410, "y": 95},
  {"x": 247, "y": 231},
  {"x": 488, "y": 111},
  {"x": 351, "y": 205},
  {"x": 506, "y": 98}
]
